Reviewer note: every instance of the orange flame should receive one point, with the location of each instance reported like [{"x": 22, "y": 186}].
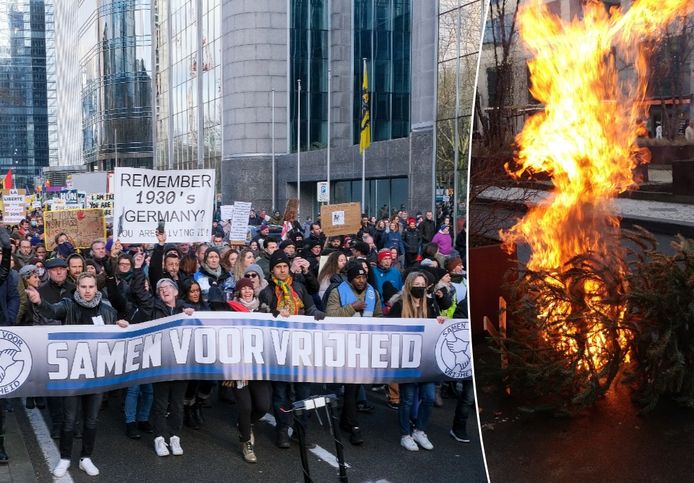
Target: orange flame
[{"x": 585, "y": 138}]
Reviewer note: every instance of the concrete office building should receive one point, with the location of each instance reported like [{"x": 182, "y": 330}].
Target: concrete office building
[{"x": 269, "y": 44}]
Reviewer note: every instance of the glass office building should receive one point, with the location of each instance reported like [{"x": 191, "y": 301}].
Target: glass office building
[
  {"x": 115, "y": 42},
  {"x": 188, "y": 102},
  {"x": 308, "y": 61},
  {"x": 382, "y": 37},
  {"x": 24, "y": 138}
]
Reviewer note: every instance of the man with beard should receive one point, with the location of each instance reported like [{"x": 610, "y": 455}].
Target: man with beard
[
  {"x": 353, "y": 298},
  {"x": 166, "y": 262},
  {"x": 263, "y": 261},
  {"x": 334, "y": 245},
  {"x": 287, "y": 297},
  {"x": 23, "y": 254}
]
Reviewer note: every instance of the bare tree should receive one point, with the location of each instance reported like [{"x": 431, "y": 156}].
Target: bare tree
[{"x": 671, "y": 72}]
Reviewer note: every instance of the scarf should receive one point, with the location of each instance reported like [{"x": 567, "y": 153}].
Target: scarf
[
  {"x": 287, "y": 298},
  {"x": 127, "y": 276},
  {"x": 263, "y": 284},
  {"x": 91, "y": 304},
  {"x": 252, "y": 306},
  {"x": 216, "y": 272}
]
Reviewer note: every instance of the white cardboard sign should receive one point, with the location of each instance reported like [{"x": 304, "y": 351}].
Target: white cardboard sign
[{"x": 182, "y": 199}]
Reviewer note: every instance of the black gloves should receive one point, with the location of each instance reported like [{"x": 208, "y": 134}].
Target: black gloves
[
  {"x": 319, "y": 316},
  {"x": 108, "y": 267}
]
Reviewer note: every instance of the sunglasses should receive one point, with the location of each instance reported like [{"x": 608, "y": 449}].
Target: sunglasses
[{"x": 251, "y": 275}]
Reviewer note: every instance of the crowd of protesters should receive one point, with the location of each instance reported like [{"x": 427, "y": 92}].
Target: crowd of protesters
[{"x": 404, "y": 266}]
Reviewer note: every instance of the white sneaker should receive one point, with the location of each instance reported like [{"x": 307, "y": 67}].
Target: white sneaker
[
  {"x": 408, "y": 443},
  {"x": 88, "y": 467},
  {"x": 160, "y": 446},
  {"x": 421, "y": 438},
  {"x": 61, "y": 468},
  {"x": 175, "y": 445}
]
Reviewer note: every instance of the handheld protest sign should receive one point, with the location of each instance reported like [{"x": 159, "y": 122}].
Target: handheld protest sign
[
  {"x": 239, "y": 222},
  {"x": 340, "y": 219},
  {"x": 82, "y": 226},
  {"x": 183, "y": 199}
]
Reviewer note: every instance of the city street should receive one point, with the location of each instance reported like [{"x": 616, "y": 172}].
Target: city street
[{"x": 213, "y": 454}]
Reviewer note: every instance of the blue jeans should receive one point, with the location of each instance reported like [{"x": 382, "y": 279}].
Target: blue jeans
[
  {"x": 281, "y": 398},
  {"x": 138, "y": 403},
  {"x": 408, "y": 391}
]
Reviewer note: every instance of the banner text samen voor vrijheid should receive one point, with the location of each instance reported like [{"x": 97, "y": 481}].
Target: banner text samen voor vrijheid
[{"x": 81, "y": 359}]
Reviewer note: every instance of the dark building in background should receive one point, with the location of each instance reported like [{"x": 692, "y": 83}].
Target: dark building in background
[
  {"x": 115, "y": 41},
  {"x": 24, "y": 145}
]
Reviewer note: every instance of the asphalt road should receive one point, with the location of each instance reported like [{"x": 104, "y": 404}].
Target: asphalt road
[
  {"x": 213, "y": 454},
  {"x": 609, "y": 443}
]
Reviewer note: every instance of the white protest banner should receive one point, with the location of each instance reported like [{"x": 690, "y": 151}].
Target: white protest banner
[
  {"x": 239, "y": 221},
  {"x": 66, "y": 360},
  {"x": 182, "y": 199},
  {"x": 226, "y": 212},
  {"x": 14, "y": 207}
]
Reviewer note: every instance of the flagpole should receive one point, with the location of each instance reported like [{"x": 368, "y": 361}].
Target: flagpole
[
  {"x": 330, "y": 78},
  {"x": 298, "y": 148},
  {"x": 328, "y": 150},
  {"x": 363, "y": 156},
  {"x": 274, "y": 204}
]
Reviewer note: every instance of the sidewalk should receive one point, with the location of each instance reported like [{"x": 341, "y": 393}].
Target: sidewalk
[
  {"x": 20, "y": 468},
  {"x": 655, "y": 216}
]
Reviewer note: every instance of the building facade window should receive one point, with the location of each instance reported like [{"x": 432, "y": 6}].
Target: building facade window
[
  {"x": 308, "y": 61},
  {"x": 115, "y": 42},
  {"x": 24, "y": 128},
  {"x": 382, "y": 37},
  {"x": 188, "y": 96}
]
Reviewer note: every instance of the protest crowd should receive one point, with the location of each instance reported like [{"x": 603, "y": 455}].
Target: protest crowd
[{"x": 401, "y": 266}]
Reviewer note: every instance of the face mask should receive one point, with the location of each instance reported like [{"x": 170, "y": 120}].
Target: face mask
[
  {"x": 456, "y": 278},
  {"x": 418, "y": 292},
  {"x": 33, "y": 223},
  {"x": 40, "y": 271}
]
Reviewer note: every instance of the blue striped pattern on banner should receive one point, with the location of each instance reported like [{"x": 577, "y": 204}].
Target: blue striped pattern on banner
[
  {"x": 297, "y": 372},
  {"x": 280, "y": 324}
]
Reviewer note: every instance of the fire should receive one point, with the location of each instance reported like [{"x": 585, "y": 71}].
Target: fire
[{"x": 585, "y": 139}]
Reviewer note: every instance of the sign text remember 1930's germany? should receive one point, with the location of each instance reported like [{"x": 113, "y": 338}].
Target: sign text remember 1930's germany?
[
  {"x": 183, "y": 200},
  {"x": 83, "y": 359}
]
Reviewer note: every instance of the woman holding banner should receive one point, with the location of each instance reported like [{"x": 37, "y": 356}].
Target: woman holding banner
[
  {"x": 415, "y": 303},
  {"x": 168, "y": 395},
  {"x": 86, "y": 307},
  {"x": 253, "y": 398}
]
